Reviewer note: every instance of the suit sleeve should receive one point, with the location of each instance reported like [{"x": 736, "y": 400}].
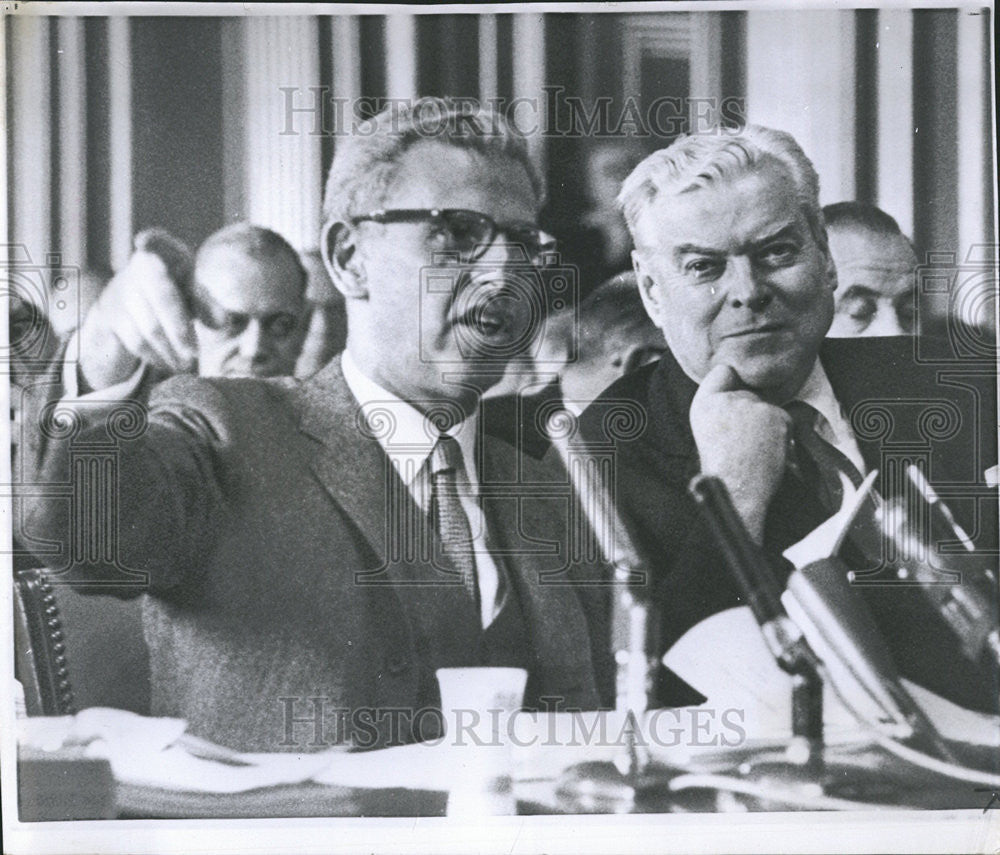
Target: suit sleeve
[{"x": 122, "y": 490}]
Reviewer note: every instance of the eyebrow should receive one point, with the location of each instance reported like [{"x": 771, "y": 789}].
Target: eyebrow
[
  {"x": 860, "y": 291},
  {"x": 787, "y": 230}
]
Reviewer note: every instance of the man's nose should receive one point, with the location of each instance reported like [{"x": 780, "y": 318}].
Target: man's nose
[
  {"x": 885, "y": 322},
  {"x": 252, "y": 340},
  {"x": 745, "y": 286}
]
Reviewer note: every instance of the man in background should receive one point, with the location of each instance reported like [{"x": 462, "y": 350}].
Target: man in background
[
  {"x": 876, "y": 270},
  {"x": 240, "y": 312},
  {"x": 607, "y": 336}
]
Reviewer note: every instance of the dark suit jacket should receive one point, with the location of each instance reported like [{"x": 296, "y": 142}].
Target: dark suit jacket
[
  {"x": 900, "y": 411},
  {"x": 278, "y": 582}
]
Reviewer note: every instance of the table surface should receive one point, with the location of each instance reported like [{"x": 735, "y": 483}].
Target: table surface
[{"x": 755, "y": 776}]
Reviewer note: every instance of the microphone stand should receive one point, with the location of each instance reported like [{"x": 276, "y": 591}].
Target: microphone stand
[
  {"x": 606, "y": 786},
  {"x": 752, "y": 568}
]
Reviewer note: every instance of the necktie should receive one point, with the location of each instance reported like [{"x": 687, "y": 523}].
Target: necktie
[
  {"x": 818, "y": 463},
  {"x": 448, "y": 514}
]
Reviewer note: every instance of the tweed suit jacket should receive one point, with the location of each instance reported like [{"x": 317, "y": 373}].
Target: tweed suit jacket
[
  {"x": 902, "y": 409},
  {"x": 267, "y": 522}
]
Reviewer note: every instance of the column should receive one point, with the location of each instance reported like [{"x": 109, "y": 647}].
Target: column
[
  {"x": 488, "y": 69},
  {"x": 401, "y": 56},
  {"x": 530, "y": 114},
  {"x": 800, "y": 79},
  {"x": 706, "y": 70},
  {"x": 30, "y": 147},
  {"x": 895, "y": 115},
  {"x": 120, "y": 135},
  {"x": 283, "y": 126},
  {"x": 72, "y": 120}
]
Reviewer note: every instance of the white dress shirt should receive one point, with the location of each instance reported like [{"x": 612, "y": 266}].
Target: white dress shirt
[
  {"x": 409, "y": 446},
  {"x": 832, "y": 424}
]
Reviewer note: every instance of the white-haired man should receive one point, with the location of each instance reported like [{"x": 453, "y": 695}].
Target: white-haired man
[{"x": 734, "y": 267}]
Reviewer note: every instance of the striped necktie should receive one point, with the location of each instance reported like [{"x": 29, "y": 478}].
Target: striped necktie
[
  {"x": 448, "y": 515},
  {"x": 818, "y": 463}
]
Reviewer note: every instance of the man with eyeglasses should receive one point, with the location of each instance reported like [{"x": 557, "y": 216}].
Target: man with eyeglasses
[{"x": 316, "y": 549}]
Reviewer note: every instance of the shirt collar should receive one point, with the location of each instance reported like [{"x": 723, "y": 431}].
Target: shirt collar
[
  {"x": 408, "y": 438},
  {"x": 818, "y": 393}
]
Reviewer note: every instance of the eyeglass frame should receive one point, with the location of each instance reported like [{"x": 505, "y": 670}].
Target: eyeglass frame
[{"x": 388, "y": 216}]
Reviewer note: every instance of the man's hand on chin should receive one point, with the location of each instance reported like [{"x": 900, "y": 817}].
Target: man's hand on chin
[{"x": 742, "y": 440}]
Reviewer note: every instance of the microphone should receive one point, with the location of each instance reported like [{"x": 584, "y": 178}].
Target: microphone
[
  {"x": 835, "y": 621},
  {"x": 855, "y": 657},
  {"x": 634, "y": 619},
  {"x": 754, "y": 571},
  {"x": 970, "y": 607}
]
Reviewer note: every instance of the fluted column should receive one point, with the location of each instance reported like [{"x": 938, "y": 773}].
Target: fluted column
[
  {"x": 283, "y": 126},
  {"x": 30, "y": 136},
  {"x": 72, "y": 120},
  {"x": 400, "y": 56},
  {"x": 529, "y": 80},
  {"x": 120, "y": 134}
]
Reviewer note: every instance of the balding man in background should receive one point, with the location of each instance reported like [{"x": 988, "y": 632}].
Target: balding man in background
[
  {"x": 608, "y": 335},
  {"x": 241, "y": 311},
  {"x": 876, "y": 272}
]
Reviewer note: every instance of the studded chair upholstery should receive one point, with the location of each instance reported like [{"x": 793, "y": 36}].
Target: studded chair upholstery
[
  {"x": 77, "y": 650},
  {"x": 40, "y": 646}
]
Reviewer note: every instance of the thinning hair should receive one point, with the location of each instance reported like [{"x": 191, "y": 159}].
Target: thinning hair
[
  {"x": 861, "y": 215},
  {"x": 365, "y": 163},
  {"x": 255, "y": 242},
  {"x": 721, "y": 154}
]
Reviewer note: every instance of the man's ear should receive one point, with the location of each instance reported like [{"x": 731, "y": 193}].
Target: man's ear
[
  {"x": 648, "y": 289},
  {"x": 831, "y": 271},
  {"x": 637, "y": 355},
  {"x": 340, "y": 254}
]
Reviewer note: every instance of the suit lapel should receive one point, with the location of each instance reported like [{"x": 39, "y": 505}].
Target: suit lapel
[
  {"x": 352, "y": 467},
  {"x": 671, "y": 392},
  {"x": 532, "y": 536}
]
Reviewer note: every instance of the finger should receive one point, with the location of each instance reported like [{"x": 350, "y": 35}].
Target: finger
[
  {"x": 167, "y": 304},
  {"x": 174, "y": 254},
  {"x": 721, "y": 378},
  {"x": 140, "y": 329},
  {"x": 157, "y": 301}
]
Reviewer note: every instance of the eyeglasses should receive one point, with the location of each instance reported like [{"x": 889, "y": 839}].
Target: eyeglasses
[
  {"x": 470, "y": 233},
  {"x": 232, "y": 324}
]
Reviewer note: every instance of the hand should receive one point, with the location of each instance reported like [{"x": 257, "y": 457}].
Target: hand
[
  {"x": 741, "y": 439},
  {"x": 141, "y": 316}
]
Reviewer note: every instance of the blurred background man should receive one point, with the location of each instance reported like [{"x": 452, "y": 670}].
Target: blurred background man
[
  {"x": 876, "y": 270},
  {"x": 240, "y": 312},
  {"x": 609, "y": 335},
  {"x": 327, "y": 333}
]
